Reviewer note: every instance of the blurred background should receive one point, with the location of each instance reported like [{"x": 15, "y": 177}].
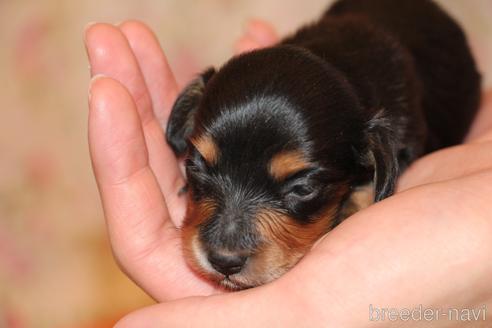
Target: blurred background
[{"x": 56, "y": 267}]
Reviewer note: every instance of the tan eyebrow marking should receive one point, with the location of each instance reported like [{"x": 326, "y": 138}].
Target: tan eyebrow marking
[
  {"x": 286, "y": 163},
  {"x": 207, "y": 147}
]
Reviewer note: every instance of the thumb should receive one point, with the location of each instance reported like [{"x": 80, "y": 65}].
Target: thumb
[{"x": 259, "y": 307}]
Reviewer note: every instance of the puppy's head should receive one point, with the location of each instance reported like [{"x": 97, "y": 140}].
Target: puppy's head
[{"x": 274, "y": 142}]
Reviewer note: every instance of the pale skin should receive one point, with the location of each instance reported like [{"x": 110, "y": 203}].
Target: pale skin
[{"x": 430, "y": 244}]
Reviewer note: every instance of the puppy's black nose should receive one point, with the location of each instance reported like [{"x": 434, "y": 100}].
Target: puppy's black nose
[{"x": 227, "y": 264}]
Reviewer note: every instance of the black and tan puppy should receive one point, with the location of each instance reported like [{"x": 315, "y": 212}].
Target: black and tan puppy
[{"x": 280, "y": 141}]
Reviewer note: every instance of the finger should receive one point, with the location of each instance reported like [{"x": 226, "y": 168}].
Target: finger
[
  {"x": 448, "y": 163},
  {"x": 154, "y": 66},
  {"x": 145, "y": 242},
  {"x": 259, "y": 307},
  {"x": 262, "y": 32},
  {"x": 163, "y": 90},
  {"x": 134, "y": 208},
  {"x": 245, "y": 44},
  {"x": 258, "y": 34},
  {"x": 110, "y": 54}
]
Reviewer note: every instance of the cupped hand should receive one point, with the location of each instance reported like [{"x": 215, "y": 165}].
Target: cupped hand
[{"x": 428, "y": 244}]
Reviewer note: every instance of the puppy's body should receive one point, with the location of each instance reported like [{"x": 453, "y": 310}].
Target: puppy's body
[
  {"x": 405, "y": 56},
  {"x": 281, "y": 140}
]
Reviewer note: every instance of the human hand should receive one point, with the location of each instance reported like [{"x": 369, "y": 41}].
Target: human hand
[
  {"x": 429, "y": 245},
  {"x": 136, "y": 172},
  {"x": 131, "y": 95},
  {"x": 323, "y": 287}
]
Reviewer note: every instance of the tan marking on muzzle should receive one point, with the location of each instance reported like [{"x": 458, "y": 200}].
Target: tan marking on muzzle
[
  {"x": 196, "y": 214},
  {"x": 291, "y": 234},
  {"x": 286, "y": 240}
]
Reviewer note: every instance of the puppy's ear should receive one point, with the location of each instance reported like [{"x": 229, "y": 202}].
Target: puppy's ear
[
  {"x": 182, "y": 119},
  {"x": 382, "y": 155}
]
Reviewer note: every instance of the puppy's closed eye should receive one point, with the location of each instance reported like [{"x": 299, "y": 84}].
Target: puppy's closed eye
[{"x": 302, "y": 192}]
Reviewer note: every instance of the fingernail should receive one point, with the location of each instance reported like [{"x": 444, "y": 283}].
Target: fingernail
[
  {"x": 88, "y": 25},
  {"x": 86, "y": 28},
  {"x": 94, "y": 79}
]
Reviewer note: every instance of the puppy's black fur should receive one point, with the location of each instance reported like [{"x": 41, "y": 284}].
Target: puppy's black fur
[{"x": 361, "y": 93}]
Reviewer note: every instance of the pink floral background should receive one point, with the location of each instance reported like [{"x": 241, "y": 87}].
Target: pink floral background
[{"x": 56, "y": 267}]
